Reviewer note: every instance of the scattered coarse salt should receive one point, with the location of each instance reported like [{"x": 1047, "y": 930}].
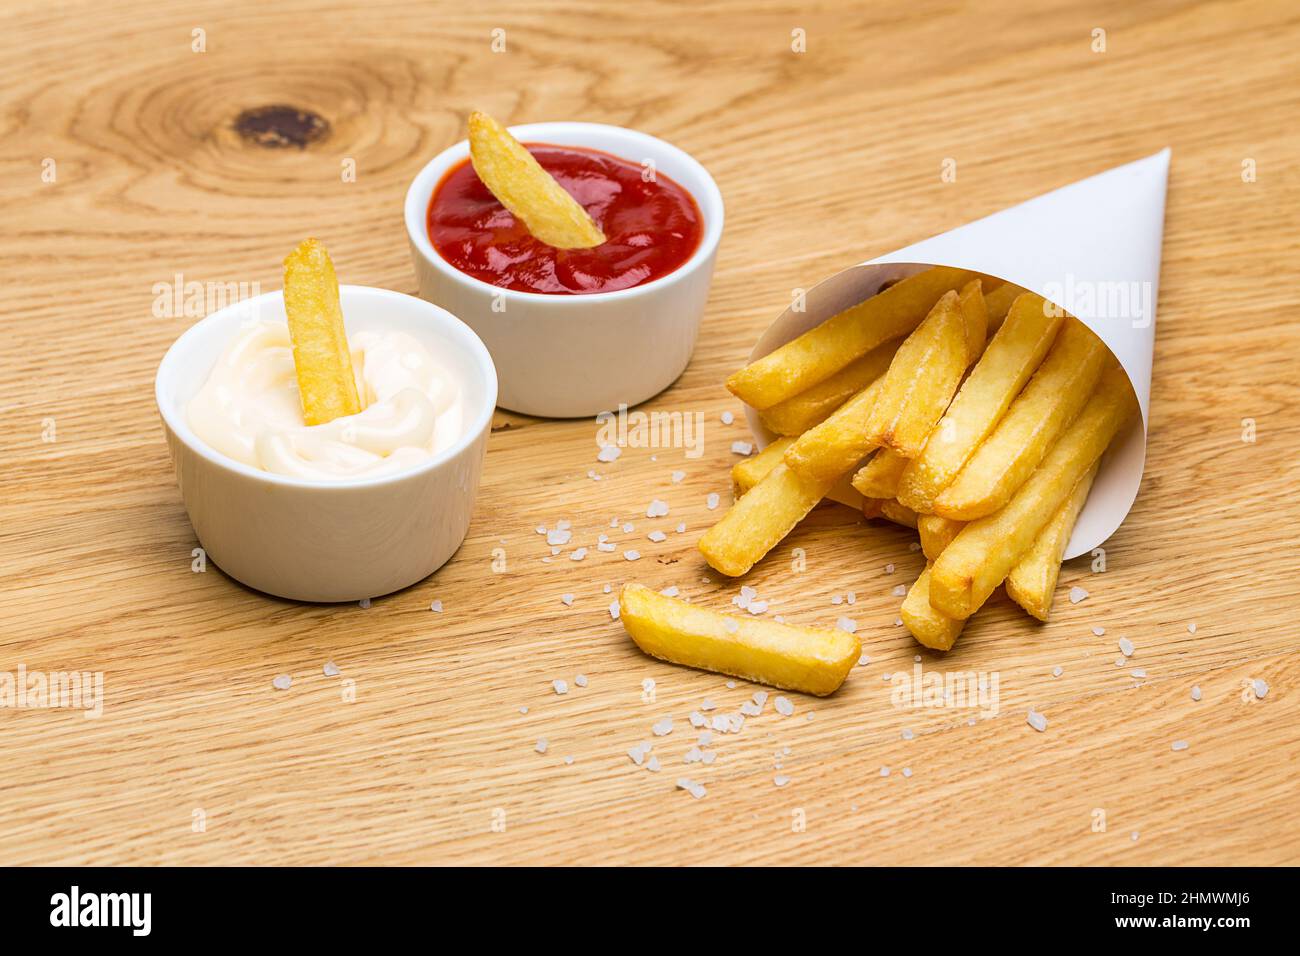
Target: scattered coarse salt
[
  {"x": 652, "y": 765},
  {"x": 898, "y": 622},
  {"x": 1191, "y": 628},
  {"x": 907, "y": 734},
  {"x": 632, "y": 554},
  {"x": 780, "y": 780},
  {"x": 727, "y": 418},
  {"x": 330, "y": 669},
  {"x": 604, "y": 544},
  {"x": 566, "y": 600},
  {"x": 1126, "y": 647},
  {"x": 914, "y": 546},
  {"x": 1121, "y": 661},
  {"x": 889, "y": 569},
  {"x": 581, "y": 680},
  {"x": 608, "y": 453},
  {"x": 638, "y": 753},
  {"x": 886, "y": 676},
  {"x": 783, "y": 706},
  {"x": 916, "y": 658},
  {"x": 705, "y": 738},
  {"x": 541, "y": 745},
  {"x": 681, "y": 527},
  {"x": 884, "y": 771},
  {"x": 1058, "y": 671},
  {"x": 541, "y": 529},
  {"x": 709, "y": 757},
  {"x": 851, "y": 598},
  {"x": 561, "y": 687},
  {"x": 1139, "y": 672},
  {"x": 1077, "y": 594},
  {"x": 578, "y": 555},
  {"x": 899, "y": 590},
  {"x": 742, "y": 448},
  {"x": 1037, "y": 721},
  {"x": 1260, "y": 687},
  {"x": 364, "y": 603},
  {"x": 591, "y": 473},
  {"x": 436, "y": 606},
  {"x": 694, "y": 755},
  {"x": 847, "y": 624},
  {"x": 757, "y": 607},
  {"x": 663, "y": 727},
  {"x": 614, "y": 610},
  {"x": 558, "y": 536},
  {"x": 564, "y": 524},
  {"x": 837, "y": 599},
  {"x": 863, "y": 660},
  {"x": 671, "y": 591},
  {"x": 628, "y": 527},
  {"x": 907, "y": 771},
  {"x": 1196, "y": 692},
  {"x": 523, "y": 709},
  {"x": 282, "y": 682},
  {"x": 1098, "y": 631},
  {"x": 657, "y": 509},
  {"x": 708, "y": 704},
  {"x": 1180, "y": 745},
  {"x": 696, "y": 790},
  {"x": 711, "y": 502},
  {"x": 657, "y": 536},
  {"x": 606, "y": 589},
  {"x": 678, "y": 476}
]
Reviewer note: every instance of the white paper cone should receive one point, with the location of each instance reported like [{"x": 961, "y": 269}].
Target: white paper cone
[{"x": 1093, "y": 248}]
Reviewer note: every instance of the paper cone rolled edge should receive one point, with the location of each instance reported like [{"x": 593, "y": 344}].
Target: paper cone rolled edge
[{"x": 1092, "y": 248}]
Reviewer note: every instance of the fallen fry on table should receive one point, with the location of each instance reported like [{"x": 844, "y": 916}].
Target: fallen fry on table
[
  {"x": 879, "y": 477},
  {"x": 921, "y": 380},
  {"x": 1032, "y": 582},
  {"x": 1051, "y": 400},
  {"x": 811, "y": 660},
  {"x": 528, "y": 191},
  {"x": 1012, "y": 356},
  {"x": 930, "y": 627},
  {"x": 321, "y": 357},
  {"x": 797, "y": 414},
  {"x": 825, "y": 349},
  {"x": 756, "y": 523},
  {"x": 986, "y": 550}
]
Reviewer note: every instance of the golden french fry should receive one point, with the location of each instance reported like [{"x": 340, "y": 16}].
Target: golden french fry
[
  {"x": 930, "y": 627},
  {"x": 1002, "y": 371},
  {"x": 921, "y": 380},
  {"x": 998, "y": 303},
  {"x": 812, "y": 660},
  {"x": 1032, "y": 582},
  {"x": 530, "y": 193},
  {"x": 748, "y": 472},
  {"x": 936, "y": 534},
  {"x": 986, "y": 550},
  {"x": 827, "y": 451},
  {"x": 891, "y": 509},
  {"x": 756, "y": 523},
  {"x": 321, "y": 357},
  {"x": 801, "y": 412},
  {"x": 975, "y": 315},
  {"x": 1034, "y": 421},
  {"x": 825, "y": 349},
  {"x": 879, "y": 477}
]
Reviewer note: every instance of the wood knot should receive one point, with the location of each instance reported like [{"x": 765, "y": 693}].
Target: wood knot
[{"x": 279, "y": 127}]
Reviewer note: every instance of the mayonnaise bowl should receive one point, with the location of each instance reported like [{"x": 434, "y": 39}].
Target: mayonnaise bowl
[{"x": 333, "y": 529}]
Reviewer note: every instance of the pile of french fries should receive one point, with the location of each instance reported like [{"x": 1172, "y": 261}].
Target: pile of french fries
[{"x": 953, "y": 403}]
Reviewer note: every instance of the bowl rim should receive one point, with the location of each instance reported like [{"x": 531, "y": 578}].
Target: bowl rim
[
  {"x": 420, "y": 193},
  {"x": 175, "y": 420}
]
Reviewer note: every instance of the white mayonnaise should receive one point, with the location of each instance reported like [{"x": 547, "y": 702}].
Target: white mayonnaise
[{"x": 250, "y": 409}]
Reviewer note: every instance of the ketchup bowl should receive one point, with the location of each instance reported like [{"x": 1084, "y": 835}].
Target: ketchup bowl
[{"x": 573, "y": 354}]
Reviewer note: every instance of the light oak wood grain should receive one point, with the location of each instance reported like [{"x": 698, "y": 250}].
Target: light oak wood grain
[{"x": 824, "y": 159}]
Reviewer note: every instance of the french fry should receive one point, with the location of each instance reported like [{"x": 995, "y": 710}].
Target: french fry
[
  {"x": 832, "y": 449},
  {"x": 899, "y": 514},
  {"x": 749, "y": 471},
  {"x": 986, "y": 550},
  {"x": 756, "y": 523},
  {"x": 801, "y": 412},
  {"x": 975, "y": 315},
  {"x": 921, "y": 380},
  {"x": 811, "y": 660},
  {"x": 1009, "y": 360},
  {"x": 1051, "y": 400},
  {"x": 531, "y": 194},
  {"x": 998, "y": 302},
  {"x": 825, "y": 349},
  {"x": 936, "y": 534},
  {"x": 930, "y": 627},
  {"x": 321, "y": 357},
  {"x": 878, "y": 478},
  {"x": 1032, "y": 582}
]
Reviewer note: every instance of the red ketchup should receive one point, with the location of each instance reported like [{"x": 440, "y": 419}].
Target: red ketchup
[{"x": 651, "y": 228}]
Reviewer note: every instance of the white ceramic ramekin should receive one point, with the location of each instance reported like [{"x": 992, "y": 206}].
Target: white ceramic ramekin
[
  {"x": 329, "y": 540},
  {"x": 565, "y": 356}
]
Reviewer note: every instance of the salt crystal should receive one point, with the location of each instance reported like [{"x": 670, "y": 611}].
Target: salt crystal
[
  {"x": 1077, "y": 594},
  {"x": 1191, "y": 628},
  {"x": 711, "y": 502},
  {"x": 1057, "y": 671},
  {"x": 707, "y": 704},
  {"x": 652, "y": 765},
  {"x": 783, "y": 706},
  {"x": 1126, "y": 647},
  {"x": 606, "y": 589},
  {"x": 681, "y": 527},
  {"x": 863, "y": 660},
  {"x": 705, "y": 738},
  {"x": 851, "y": 598},
  {"x": 677, "y": 477},
  {"x": 670, "y": 591},
  {"x": 657, "y": 509},
  {"x": 1099, "y": 631},
  {"x": 757, "y": 607},
  {"x": 1196, "y": 692},
  {"x": 837, "y": 599},
  {"x": 1139, "y": 672},
  {"x": 907, "y": 734},
  {"x": 541, "y": 529},
  {"x": 364, "y": 603},
  {"x": 331, "y": 669},
  {"x": 1260, "y": 687},
  {"x": 523, "y": 710},
  {"x": 609, "y": 453},
  {"x": 741, "y": 448},
  {"x": 561, "y": 687},
  {"x": 847, "y": 624},
  {"x": 614, "y": 610},
  {"x": 709, "y": 757},
  {"x": 899, "y": 590},
  {"x": 884, "y": 771},
  {"x": 1180, "y": 745},
  {"x": 907, "y": 771},
  {"x": 663, "y": 727},
  {"x": 628, "y": 527},
  {"x": 578, "y": 555},
  {"x": 558, "y": 536},
  {"x": 780, "y": 780},
  {"x": 696, "y": 790},
  {"x": 1037, "y": 721},
  {"x": 727, "y": 418},
  {"x": 889, "y": 569},
  {"x": 657, "y": 536},
  {"x": 436, "y": 607},
  {"x": 581, "y": 680},
  {"x": 566, "y": 600},
  {"x": 282, "y": 682},
  {"x": 632, "y": 554},
  {"x": 698, "y": 720},
  {"x": 541, "y": 745}
]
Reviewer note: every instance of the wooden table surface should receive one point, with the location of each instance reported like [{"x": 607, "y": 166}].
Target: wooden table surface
[{"x": 124, "y": 174}]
